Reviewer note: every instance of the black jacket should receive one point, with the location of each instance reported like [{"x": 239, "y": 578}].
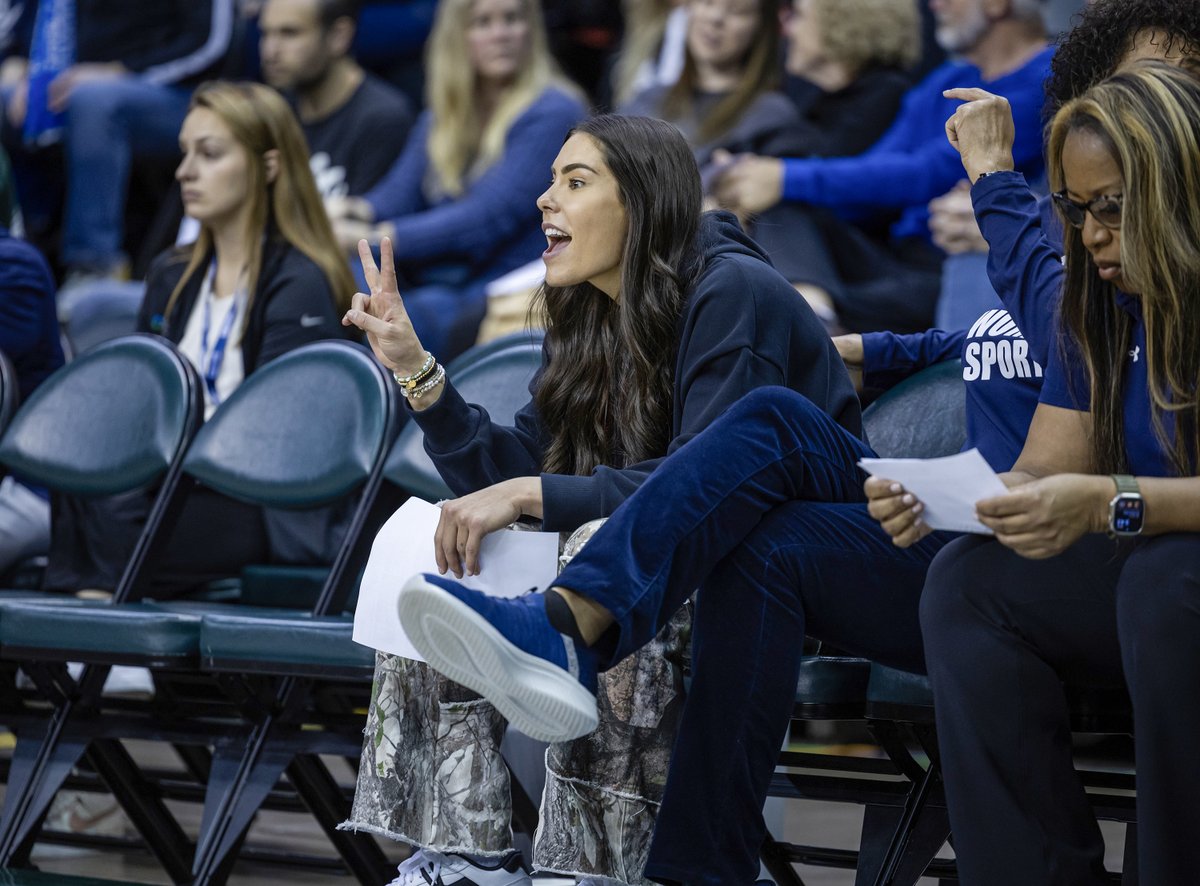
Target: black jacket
[{"x": 293, "y": 303}]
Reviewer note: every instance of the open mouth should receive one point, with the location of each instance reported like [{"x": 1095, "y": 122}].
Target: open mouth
[{"x": 556, "y": 241}]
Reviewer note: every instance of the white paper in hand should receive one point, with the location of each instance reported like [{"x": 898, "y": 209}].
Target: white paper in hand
[
  {"x": 510, "y": 564},
  {"x": 948, "y": 487}
]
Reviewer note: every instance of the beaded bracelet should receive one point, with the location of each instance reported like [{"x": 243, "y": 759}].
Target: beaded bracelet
[
  {"x": 439, "y": 374},
  {"x": 426, "y": 368}
]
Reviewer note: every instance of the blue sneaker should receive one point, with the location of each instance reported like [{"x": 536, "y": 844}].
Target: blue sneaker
[{"x": 543, "y": 682}]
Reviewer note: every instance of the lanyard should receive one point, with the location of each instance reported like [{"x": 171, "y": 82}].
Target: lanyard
[{"x": 210, "y": 361}]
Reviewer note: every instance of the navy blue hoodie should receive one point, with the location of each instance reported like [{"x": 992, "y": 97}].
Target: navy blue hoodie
[{"x": 743, "y": 327}]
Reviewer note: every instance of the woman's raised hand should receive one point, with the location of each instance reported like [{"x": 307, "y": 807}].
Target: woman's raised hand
[
  {"x": 897, "y": 510},
  {"x": 381, "y": 315},
  {"x": 982, "y": 131}
]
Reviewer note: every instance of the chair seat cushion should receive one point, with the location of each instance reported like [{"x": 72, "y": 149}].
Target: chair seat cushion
[
  {"x": 830, "y": 682},
  {"x": 92, "y": 630},
  {"x": 891, "y": 686},
  {"x": 282, "y": 641}
]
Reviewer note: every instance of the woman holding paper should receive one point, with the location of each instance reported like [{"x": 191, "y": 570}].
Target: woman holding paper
[
  {"x": 765, "y": 512},
  {"x": 1093, "y": 577},
  {"x": 659, "y": 318}
]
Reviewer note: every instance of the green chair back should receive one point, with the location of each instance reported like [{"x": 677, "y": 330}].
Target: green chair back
[
  {"x": 110, "y": 422},
  {"x": 494, "y": 376},
  {"x": 922, "y": 417}
]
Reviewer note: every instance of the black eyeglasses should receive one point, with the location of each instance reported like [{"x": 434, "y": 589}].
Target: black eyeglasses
[{"x": 1105, "y": 209}]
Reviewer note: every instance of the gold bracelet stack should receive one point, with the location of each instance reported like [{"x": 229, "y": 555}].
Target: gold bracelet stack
[{"x": 431, "y": 381}]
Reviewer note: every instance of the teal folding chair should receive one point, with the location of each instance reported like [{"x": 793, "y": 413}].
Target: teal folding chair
[
  {"x": 292, "y": 648},
  {"x": 116, "y": 421},
  {"x": 308, "y": 429}
]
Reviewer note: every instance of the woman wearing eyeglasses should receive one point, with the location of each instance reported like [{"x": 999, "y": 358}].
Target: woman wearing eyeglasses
[{"x": 1093, "y": 577}]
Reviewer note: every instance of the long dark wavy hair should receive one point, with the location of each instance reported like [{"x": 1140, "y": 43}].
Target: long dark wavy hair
[
  {"x": 606, "y": 393},
  {"x": 1149, "y": 118}
]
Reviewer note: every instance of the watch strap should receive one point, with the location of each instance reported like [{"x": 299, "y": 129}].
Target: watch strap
[{"x": 1126, "y": 484}]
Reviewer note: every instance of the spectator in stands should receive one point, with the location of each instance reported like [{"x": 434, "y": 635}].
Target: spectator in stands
[
  {"x": 264, "y": 277},
  {"x": 652, "y": 48},
  {"x": 846, "y": 62},
  {"x": 126, "y": 94},
  {"x": 355, "y": 123},
  {"x": 1008, "y": 620},
  {"x": 459, "y": 204},
  {"x": 866, "y": 275},
  {"x": 727, "y": 95},
  {"x": 1108, "y": 32},
  {"x": 658, "y": 319},
  {"x": 29, "y": 338}
]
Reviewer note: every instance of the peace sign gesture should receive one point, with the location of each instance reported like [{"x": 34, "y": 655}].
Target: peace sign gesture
[{"x": 381, "y": 314}]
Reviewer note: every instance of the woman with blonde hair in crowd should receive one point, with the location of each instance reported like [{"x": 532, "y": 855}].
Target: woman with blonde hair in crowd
[
  {"x": 459, "y": 203},
  {"x": 847, "y": 63},
  {"x": 264, "y": 277},
  {"x": 245, "y": 177}
]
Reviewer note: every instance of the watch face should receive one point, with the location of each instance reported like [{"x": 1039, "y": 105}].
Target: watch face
[{"x": 1127, "y": 513}]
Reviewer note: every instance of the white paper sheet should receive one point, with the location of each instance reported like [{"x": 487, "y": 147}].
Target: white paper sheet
[
  {"x": 510, "y": 564},
  {"x": 948, "y": 487}
]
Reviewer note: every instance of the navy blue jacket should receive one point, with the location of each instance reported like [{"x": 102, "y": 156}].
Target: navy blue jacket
[
  {"x": 28, "y": 320},
  {"x": 1006, "y": 351},
  {"x": 28, "y": 323},
  {"x": 743, "y": 327},
  {"x": 1068, "y": 387}
]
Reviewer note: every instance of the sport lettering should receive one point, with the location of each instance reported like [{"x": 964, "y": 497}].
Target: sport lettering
[{"x": 1009, "y": 358}]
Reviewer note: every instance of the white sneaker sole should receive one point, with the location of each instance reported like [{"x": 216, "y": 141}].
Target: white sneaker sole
[{"x": 538, "y": 698}]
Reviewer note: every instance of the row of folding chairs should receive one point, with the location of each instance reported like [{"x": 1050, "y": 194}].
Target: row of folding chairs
[{"x": 251, "y": 696}]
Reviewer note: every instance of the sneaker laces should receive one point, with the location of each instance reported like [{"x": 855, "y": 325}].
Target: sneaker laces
[{"x": 421, "y": 868}]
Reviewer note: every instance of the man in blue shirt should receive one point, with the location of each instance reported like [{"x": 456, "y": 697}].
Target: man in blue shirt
[{"x": 826, "y": 223}]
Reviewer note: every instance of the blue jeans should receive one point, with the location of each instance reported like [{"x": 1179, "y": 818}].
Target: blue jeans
[
  {"x": 107, "y": 123},
  {"x": 764, "y": 513},
  {"x": 1003, "y": 634}
]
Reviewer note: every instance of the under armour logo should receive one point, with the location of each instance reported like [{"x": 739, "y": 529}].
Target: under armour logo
[{"x": 1134, "y": 353}]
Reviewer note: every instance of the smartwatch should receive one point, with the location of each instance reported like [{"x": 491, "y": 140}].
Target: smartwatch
[{"x": 1127, "y": 510}]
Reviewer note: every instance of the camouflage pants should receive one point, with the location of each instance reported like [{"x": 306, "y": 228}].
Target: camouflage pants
[{"x": 431, "y": 773}]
